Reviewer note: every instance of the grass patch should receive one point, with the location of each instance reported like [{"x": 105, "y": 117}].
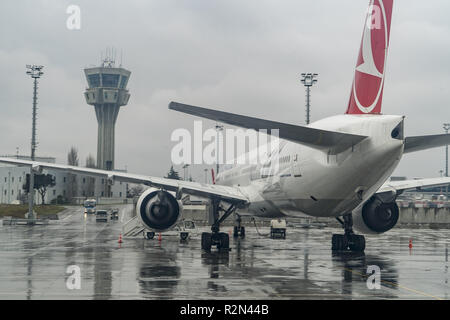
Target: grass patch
[{"x": 18, "y": 211}]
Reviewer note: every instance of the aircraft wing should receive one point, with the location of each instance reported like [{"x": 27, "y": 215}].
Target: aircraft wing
[
  {"x": 229, "y": 194},
  {"x": 400, "y": 186},
  {"x": 413, "y": 144},
  {"x": 312, "y": 137}
]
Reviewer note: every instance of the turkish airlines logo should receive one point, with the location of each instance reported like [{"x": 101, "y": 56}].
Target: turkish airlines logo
[{"x": 369, "y": 75}]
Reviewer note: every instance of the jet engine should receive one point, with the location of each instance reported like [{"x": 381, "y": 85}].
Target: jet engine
[
  {"x": 378, "y": 215},
  {"x": 158, "y": 209}
]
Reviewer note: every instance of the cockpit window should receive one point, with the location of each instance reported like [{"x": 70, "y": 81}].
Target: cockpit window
[{"x": 397, "y": 133}]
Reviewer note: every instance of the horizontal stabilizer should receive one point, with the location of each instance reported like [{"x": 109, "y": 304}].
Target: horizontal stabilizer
[
  {"x": 413, "y": 144},
  {"x": 316, "y": 138},
  {"x": 400, "y": 186}
]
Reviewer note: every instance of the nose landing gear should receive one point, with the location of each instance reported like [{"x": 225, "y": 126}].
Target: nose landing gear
[{"x": 238, "y": 230}]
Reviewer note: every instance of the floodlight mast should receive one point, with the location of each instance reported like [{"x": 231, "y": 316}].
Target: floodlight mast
[
  {"x": 308, "y": 80},
  {"x": 219, "y": 128},
  {"x": 446, "y": 128},
  {"x": 35, "y": 72}
]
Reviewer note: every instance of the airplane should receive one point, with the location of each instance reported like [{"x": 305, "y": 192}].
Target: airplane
[{"x": 342, "y": 163}]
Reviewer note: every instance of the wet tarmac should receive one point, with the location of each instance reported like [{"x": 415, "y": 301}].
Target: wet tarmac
[{"x": 39, "y": 262}]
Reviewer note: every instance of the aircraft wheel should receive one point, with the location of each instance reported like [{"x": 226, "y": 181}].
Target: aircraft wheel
[
  {"x": 242, "y": 232},
  {"x": 206, "y": 241},
  {"x": 184, "y": 235},
  {"x": 357, "y": 243},
  {"x": 339, "y": 242},
  {"x": 149, "y": 235},
  {"x": 224, "y": 241},
  {"x": 235, "y": 232}
]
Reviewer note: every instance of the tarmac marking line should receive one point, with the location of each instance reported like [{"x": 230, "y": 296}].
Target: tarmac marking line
[{"x": 397, "y": 285}]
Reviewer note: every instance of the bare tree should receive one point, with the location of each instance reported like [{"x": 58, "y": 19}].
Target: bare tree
[
  {"x": 90, "y": 163},
  {"x": 72, "y": 157},
  {"x": 135, "y": 190},
  {"x": 72, "y": 188}
]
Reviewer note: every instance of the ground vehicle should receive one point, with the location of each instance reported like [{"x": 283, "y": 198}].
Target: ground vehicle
[
  {"x": 90, "y": 206},
  {"x": 101, "y": 215},
  {"x": 115, "y": 214},
  {"x": 278, "y": 228},
  {"x": 185, "y": 229}
]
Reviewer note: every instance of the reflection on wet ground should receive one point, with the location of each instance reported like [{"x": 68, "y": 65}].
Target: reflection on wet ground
[{"x": 34, "y": 262}]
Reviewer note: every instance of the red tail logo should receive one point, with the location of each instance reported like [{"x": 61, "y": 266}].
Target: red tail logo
[{"x": 368, "y": 84}]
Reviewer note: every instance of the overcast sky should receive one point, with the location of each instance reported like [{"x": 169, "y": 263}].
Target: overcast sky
[{"x": 238, "y": 56}]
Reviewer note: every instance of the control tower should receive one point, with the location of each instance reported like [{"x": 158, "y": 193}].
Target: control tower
[{"x": 107, "y": 92}]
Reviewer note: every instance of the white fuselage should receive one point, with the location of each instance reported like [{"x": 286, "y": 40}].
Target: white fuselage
[{"x": 314, "y": 182}]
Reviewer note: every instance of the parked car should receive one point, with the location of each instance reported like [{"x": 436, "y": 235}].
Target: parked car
[
  {"x": 114, "y": 214},
  {"x": 101, "y": 215}
]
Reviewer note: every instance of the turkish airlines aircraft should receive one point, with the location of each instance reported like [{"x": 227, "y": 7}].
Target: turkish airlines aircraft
[{"x": 336, "y": 167}]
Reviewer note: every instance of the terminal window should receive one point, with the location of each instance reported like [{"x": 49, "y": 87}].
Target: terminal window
[{"x": 110, "y": 80}]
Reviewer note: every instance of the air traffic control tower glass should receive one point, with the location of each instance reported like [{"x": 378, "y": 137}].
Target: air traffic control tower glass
[
  {"x": 107, "y": 92},
  {"x": 110, "y": 80}
]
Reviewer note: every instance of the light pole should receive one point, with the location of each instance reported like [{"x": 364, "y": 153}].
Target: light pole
[
  {"x": 35, "y": 72},
  {"x": 218, "y": 129},
  {"x": 185, "y": 170},
  {"x": 446, "y": 128},
  {"x": 308, "y": 80}
]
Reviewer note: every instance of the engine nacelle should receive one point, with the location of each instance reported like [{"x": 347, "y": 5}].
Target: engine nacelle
[
  {"x": 158, "y": 209},
  {"x": 376, "y": 216}
]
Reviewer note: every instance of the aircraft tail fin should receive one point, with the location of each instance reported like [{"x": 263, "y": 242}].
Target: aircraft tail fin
[{"x": 368, "y": 83}]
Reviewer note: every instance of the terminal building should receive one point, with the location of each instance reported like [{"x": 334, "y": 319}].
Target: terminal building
[{"x": 67, "y": 186}]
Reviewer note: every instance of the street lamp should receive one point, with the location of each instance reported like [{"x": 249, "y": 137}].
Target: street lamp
[
  {"x": 218, "y": 129},
  {"x": 308, "y": 80},
  {"x": 446, "y": 128},
  {"x": 185, "y": 170},
  {"x": 35, "y": 72}
]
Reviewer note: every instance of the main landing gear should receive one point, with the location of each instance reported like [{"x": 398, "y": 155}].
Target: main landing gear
[
  {"x": 216, "y": 238},
  {"x": 349, "y": 240}
]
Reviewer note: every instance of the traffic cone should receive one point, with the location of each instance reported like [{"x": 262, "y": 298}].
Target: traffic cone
[
  {"x": 120, "y": 238},
  {"x": 410, "y": 244},
  {"x": 159, "y": 237}
]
